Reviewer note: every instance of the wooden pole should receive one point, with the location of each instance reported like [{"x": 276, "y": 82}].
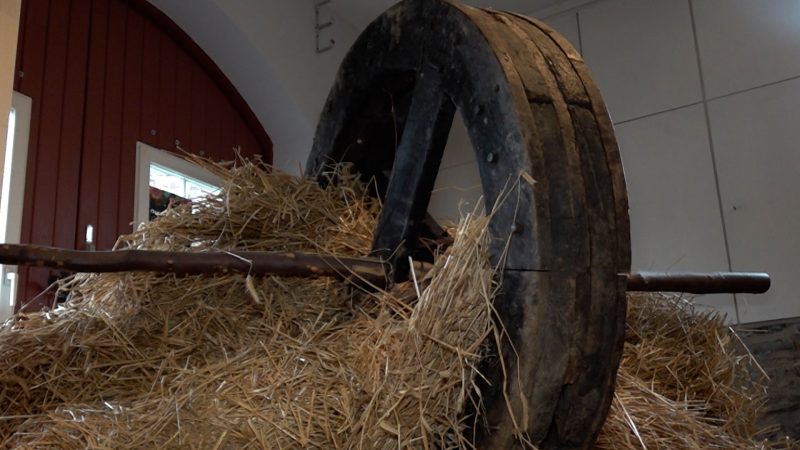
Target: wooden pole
[
  {"x": 367, "y": 270},
  {"x": 699, "y": 283},
  {"x": 296, "y": 264}
]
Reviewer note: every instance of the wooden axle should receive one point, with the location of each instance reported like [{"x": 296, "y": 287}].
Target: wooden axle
[
  {"x": 295, "y": 264},
  {"x": 699, "y": 282}
]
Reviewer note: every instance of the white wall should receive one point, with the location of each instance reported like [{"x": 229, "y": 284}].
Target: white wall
[{"x": 704, "y": 95}]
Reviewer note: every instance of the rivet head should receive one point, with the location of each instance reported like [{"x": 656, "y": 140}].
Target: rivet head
[
  {"x": 21, "y": 74},
  {"x": 177, "y": 142},
  {"x": 490, "y": 157},
  {"x": 153, "y": 132}
]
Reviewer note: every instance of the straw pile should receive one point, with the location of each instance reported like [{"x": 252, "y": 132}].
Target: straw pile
[
  {"x": 685, "y": 382},
  {"x": 137, "y": 360}
]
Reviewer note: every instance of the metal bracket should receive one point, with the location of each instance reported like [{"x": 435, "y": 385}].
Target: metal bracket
[{"x": 318, "y": 27}]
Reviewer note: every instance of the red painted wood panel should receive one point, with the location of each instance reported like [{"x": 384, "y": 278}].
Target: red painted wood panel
[
  {"x": 42, "y": 207},
  {"x": 150, "y": 75},
  {"x": 34, "y": 38},
  {"x": 136, "y": 63},
  {"x": 197, "y": 111},
  {"x": 66, "y": 211},
  {"x": 106, "y": 227},
  {"x": 104, "y": 74},
  {"x": 44, "y": 200},
  {"x": 183, "y": 101},
  {"x": 214, "y": 101},
  {"x": 166, "y": 93},
  {"x": 88, "y": 208},
  {"x": 228, "y": 126},
  {"x": 20, "y": 45}
]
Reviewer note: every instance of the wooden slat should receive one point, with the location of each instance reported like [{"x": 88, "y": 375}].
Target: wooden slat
[
  {"x": 606, "y": 130},
  {"x": 197, "y": 109},
  {"x": 106, "y": 229},
  {"x": 68, "y": 168},
  {"x": 228, "y": 119},
  {"x": 214, "y": 103},
  {"x": 598, "y": 342},
  {"x": 251, "y": 146},
  {"x": 166, "y": 94},
  {"x": 35, "y": 39},
  {"x": 23, "y": 19},
  {"x": 88, "y": 209},
  {"x": 238, "y": 133},
  {"x": 49, "y": 138},
  {"x": 183, "y": 100},
  {"x": 52, "y": 99},
  {"x": 149, "y": 103},
  {"x": 135, "y": 64}
]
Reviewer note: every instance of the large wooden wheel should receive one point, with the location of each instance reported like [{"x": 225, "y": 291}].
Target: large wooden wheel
[{"x": 541, "y": 132}]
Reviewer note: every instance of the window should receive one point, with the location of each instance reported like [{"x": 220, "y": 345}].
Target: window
[{"x": 163, "y": 179}]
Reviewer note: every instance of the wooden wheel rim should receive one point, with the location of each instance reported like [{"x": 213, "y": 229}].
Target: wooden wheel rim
[{"x": 537, "y": 123}]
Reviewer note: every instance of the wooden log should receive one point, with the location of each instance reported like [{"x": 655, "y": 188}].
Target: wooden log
[
  {"x": 298, "y": 264},
  {"x": 365, "y": 270},
  {"x": 699, "y": 283}
]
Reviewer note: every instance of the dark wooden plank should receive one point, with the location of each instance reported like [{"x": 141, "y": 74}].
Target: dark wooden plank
[
  {"x": 567, "y": 190},
  {"x": 106, "y": 230},
  {"x": 556, "y": 349},
  {"x": 213, "y": 138},
  {"x": 606, "y": 130},
  {"x": 88, "y": 208},
  {"x": 149, "y": 103},
  {"x": 240, "y": 137},
  {"x": 598, "y": 342},
  {"x": 251, "y": 146},
  {"x": 71, "y": 141},
  {"x": 35, "y": 42},
  {"x": 32, "y": 42},
  {"x": 23, "y": 19},
  {"x": 531, "y": 305},
  {"x": 166, "y": 94},
  {"x": 197, "y": 110},
  {"x": 228, "y": 119},
  {"x": 577, "y": 411},
  {"x": 416, "y": 164},
  {"x": 183, "y": 101},
  {"x": 51, "y": 101},
  {"x": 135, "y": 64},
  {"x": 46, "y": 186}
]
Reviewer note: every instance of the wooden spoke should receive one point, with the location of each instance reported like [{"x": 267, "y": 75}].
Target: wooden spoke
[{"x": 414, "y": 172}]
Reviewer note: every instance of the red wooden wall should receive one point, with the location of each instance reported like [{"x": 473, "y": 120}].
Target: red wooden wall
[{"x": 104, "y": 74}]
